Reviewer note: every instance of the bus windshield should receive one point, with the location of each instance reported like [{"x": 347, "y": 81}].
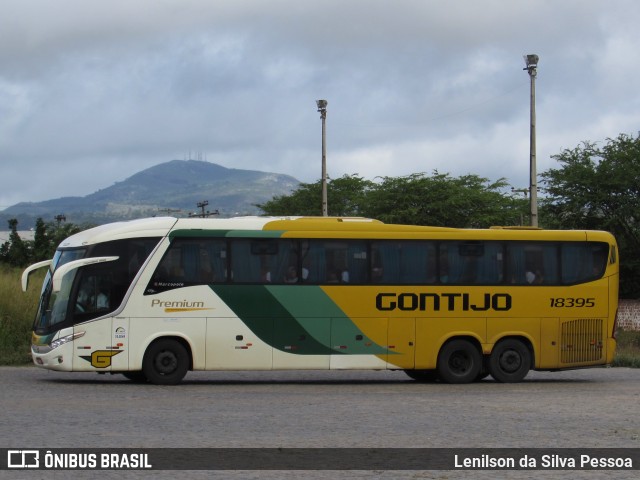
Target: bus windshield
[
  {"x": 53, "y": 306},
  {"x": 93, "y": 290}
]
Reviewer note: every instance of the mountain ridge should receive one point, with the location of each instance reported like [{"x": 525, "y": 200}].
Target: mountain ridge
[{"x": 176, "y": 185}]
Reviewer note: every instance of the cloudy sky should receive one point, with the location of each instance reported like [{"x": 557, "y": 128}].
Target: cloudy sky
[{"x": 92, "y": 92}]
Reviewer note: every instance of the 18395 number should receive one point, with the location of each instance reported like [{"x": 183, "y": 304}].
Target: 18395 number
[{"x": 569, "y": 302}]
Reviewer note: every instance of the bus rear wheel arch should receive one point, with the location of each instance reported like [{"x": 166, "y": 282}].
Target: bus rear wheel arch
[
  {"x": 510, "y": 360},
  {"x": 459, "y": 361},
  {"x": 166, "y": 361}
]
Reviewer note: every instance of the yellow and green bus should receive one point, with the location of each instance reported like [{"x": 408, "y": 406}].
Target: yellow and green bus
[{"x": 155, "y": 298}]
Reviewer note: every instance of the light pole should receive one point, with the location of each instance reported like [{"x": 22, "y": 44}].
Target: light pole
[
  {"x": 531, "y": 62},
  {"x": 322, "y": 108}
]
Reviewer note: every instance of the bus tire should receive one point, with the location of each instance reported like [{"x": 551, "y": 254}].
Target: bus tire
[
  {"x": 422, "y": 375},
  {"x": 510, "y": 361},
  {"x": 459, "y": 361},
  {"x": 165, "y": 362}
]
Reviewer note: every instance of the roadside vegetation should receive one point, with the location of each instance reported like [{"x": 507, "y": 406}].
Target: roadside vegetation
[
  {"x": 628, "y": 351},
  {"x": 17, "y": 310}
]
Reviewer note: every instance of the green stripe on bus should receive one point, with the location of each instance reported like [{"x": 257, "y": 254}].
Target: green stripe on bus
[
  {"x": 251, "y": 304},
  {"x": 317, "y": 312},
  {"x": 302, "y": 319},
  {"x": 202, "y": 233}
]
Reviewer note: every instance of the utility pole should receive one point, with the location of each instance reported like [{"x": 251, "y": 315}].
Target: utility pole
[
  {"x": 322, "y": 108},
  {"x": 59, "y": 219},
  {"x": 202, "y": 213},
  {"x": 531, "y": 62}
]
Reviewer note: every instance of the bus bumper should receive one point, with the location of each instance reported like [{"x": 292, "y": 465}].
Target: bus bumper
[{"x": 60, "y": 358}]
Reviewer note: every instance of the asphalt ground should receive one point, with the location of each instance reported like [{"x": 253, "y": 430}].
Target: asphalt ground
[{"x": 593, "y": 408}]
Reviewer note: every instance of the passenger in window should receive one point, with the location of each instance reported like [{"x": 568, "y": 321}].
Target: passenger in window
[
  {"x": 338, "y": 276},
  {"x": 377, "y": 274},
  {"x": 102, "y": 301},
  {"x": 333, "y": 276},
  {"x": 265, "y": 275},
  {"x": 534, "y": 278},
  {"x": 291, "y": 276},
  {"x": 206, "y": 273},
  {"x": 85, "y": 300}
]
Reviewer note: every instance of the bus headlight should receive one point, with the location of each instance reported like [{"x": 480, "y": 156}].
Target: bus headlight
[{"x": 65, "y": 339}]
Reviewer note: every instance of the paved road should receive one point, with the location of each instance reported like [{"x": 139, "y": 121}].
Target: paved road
[{"x": 583, "y": 409}]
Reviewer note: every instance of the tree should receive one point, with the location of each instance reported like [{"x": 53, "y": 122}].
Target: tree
[
  {"x": 345, "y": 196},
  {"x": 15, "y": 252},
  {"x": 41, "y": 244},
  {"x": 468, "y": 201},
  {"x": 438, "y": 200},
  {"x": 21, "y": 253},
  {"x": 598, "y": 187}
]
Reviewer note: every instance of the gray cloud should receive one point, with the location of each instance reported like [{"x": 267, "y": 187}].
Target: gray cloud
[{"x": 92, "y": 92}]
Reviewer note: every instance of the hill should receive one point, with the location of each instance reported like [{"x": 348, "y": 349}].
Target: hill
[{"x": 176, "y": 186}]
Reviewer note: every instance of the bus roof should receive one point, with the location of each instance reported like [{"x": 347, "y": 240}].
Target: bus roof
[{"x": 353, "y": 227}]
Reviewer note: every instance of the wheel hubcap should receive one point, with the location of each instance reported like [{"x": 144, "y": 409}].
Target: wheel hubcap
[
  {"x": 459, "y": 363},
  {"x": 166, "y": 362},
  {"x": 510, "y": 361}
]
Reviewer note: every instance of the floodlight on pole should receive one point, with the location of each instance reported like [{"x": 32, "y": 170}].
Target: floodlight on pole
[
  {"x": 531, "y": 62},
  {"x": 322, "y": 108}
]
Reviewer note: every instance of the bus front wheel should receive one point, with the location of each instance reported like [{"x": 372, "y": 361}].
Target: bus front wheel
[
  {"x": 459, "y": 361},
  {"x": 510, "y": 361},
  {"x": 165, "y": 362}
]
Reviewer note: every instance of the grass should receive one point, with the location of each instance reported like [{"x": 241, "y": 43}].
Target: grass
[
  {"x": 17, "y": 310},
  {"x": 628, "y": 351}
]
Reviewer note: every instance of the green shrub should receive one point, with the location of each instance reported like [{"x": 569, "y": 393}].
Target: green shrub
[
  {"x": 628, "y": 350},
  {"x": 17, "y": 310}
]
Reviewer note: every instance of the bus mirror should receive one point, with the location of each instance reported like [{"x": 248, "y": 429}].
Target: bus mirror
[
  {"x": 29, "y": 270},
  {"x": 61, "y": 271}
]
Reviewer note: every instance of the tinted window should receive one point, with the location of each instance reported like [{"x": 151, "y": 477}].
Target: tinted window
[
  {"x": 473, "y": 263},
  {"x": 582, "y": 262},
  {"x": 265, "y": 261},
  {"x": 533, "y": 263},
  {"x": 191, "y": 261},
  {"x": 100, "y": 288},
  {"x": 336, "y": 261},
  {"x": 404, "y": 262}
]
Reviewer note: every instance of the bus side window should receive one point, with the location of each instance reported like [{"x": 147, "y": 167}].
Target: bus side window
[
  {"x": 94, "y": 293},
  {"x": 458, "y": 263},
  {"x": 188, "y": 262},
  {"x": 532, "y": 263},
  {"x": 471, "y": 262},
  {"x": 583, "y": 262},
  {"x": 403, "y": 262},
  {"x": 263, "y": 260}
]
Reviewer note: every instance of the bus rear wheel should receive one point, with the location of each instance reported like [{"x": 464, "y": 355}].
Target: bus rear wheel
[
  {"x": 459, "y": 361},
  {"x": 510, "y": 361},
  {"x": 165, "y": 362}
]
